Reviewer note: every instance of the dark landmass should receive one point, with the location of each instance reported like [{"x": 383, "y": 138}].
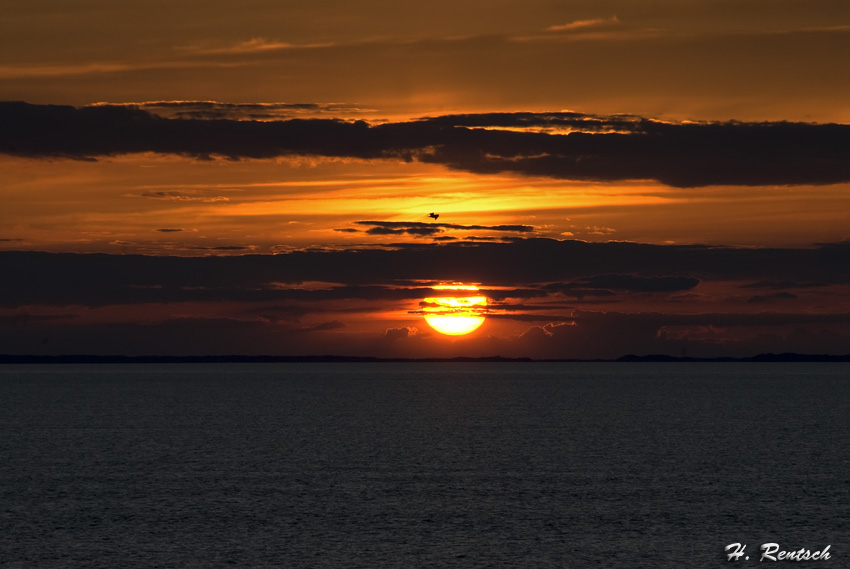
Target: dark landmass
[
  {"x": 93, "y": 359},
  {"x": 786, "y": 357}
]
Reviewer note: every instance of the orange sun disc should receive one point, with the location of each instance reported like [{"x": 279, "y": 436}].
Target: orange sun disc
[{"x": 455, "y": 315}]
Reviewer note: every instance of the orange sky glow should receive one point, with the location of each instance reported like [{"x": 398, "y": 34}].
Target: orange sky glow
[{"x": 616, "y": 177}]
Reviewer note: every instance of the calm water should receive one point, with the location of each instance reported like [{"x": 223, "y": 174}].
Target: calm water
[{"x": 421, "y": 465}]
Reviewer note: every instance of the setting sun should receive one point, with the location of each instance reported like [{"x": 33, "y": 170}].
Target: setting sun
[{"x": 455, "y": 315}]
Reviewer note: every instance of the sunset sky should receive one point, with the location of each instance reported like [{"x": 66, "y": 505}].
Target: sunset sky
[{"x": 188, "y": 178}]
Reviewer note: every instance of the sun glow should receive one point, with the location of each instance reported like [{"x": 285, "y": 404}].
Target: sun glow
[{"x": 455, "y": 315}]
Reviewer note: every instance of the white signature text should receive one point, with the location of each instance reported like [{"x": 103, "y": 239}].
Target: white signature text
[{"x": 771, "y": 552}]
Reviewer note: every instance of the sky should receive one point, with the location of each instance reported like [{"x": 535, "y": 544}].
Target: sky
[{"x": 615, "y": 177}]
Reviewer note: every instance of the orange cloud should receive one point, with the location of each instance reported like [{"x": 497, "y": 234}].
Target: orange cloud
[{"x": 582, "y": 25}]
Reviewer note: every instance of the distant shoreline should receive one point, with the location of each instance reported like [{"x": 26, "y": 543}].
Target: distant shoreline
[{"x": 95, "y": 359}]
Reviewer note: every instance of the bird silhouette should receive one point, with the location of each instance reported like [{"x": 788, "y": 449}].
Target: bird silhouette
[{"x": 434, "y": 215}]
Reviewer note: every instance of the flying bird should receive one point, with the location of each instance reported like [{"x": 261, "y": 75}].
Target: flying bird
[{"x": 434, "y": 215}]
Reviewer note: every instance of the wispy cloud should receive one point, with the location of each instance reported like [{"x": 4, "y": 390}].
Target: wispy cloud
[
  {"x": 584, "y": 25},
  {"x": 174, "y": 195},
  {"x": 254, "y": 45},
  {"x": 218, "y": 110},
  {"x": 44, "y": 70}
]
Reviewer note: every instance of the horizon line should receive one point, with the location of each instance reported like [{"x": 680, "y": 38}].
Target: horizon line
[{"x": 786, "y": 357}]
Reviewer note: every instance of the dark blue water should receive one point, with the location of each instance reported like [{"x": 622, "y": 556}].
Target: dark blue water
[{"x": 421, "y": 465}]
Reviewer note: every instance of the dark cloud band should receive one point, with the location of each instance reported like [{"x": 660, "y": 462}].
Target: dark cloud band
[
  {"x": 575, "y": 147},
  {"x": 533, "y": 267}
]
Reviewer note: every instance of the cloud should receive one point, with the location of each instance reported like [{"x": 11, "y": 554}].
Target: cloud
[
  {"x": 505, "y": 307},
  {"x": 250, "y": 46},
  {"x": 532, "y": 317},
  {"x": 597, "y": 230},
  {"x": 260, "y": 301},
  {"x": 594, "y": 29},
  {"x": 400, "y": 333},
  {"x": 612, "y": 334},
  {"x": 578, "y": 291},
  {"x": 255, "y": 45},
  {"x": 530, "y": 266},
  {"x": 424, "y": 229},
  {"x": 541, "y": 122},
  {"x": 180, "y": 196},
  {"x": 22, "y": 319},
  {"x": 217, "y": 110},
  {"x": 597, "y": 148},
  {"x": 18, "y": 71},
  {"x": 278, "y": 313},
  {"x": 634, "y": 283},
  {"x": 417, "y": 230},
  {"x": 170, "y": 229},
  {"x": 676, "y": 154},
  {"x": 783, "y": 284},
  {"x": 766, "y": 298},
  {"x": 324, "y": 326},
  {"x": 584, "y": 25},
  {"x": 222, "y": 248},
  {"x": 656, "y": 320}
]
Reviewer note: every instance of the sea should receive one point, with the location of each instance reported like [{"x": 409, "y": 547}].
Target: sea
[{"x": 431, "y": 465}]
